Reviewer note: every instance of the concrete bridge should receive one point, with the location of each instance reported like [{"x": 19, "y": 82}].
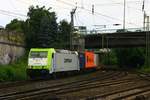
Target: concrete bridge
[{"x": 115, "y": 40}]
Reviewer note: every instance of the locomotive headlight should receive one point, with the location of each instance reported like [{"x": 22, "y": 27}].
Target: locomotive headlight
[
  {"x": 30, "y": 62},
  {"x": 44, "y": 61}
]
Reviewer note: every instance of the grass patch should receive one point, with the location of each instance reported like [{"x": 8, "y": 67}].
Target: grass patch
[
  {"x": 145, "y": 69},
  {"x": 15, "y": 71}
]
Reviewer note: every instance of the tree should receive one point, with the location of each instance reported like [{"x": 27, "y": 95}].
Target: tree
[
  {"x": 64, "y": 34},
  {"x": 15, "y": 25},
  {"x": 42, "y": 28}
]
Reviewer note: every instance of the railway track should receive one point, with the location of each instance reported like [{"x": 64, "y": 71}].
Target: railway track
[
  {"x": 25, "y": 82},
  {"x": 79, "y": 87},
  {"x": 127, "y": 91},
  {"x": 53, "y": 87},
  {"x": 124, "y": 93},
  {"x": 69, "y": 89},
  {"x": 104, "y": 85},
  {"x": 18, "y": 83}
]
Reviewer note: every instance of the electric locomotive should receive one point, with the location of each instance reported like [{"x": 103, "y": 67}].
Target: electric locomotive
[{"x": 48, "y": 61}]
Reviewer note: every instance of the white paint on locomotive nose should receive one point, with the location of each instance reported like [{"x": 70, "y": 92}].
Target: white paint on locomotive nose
[{"x": 37, "y": 61}]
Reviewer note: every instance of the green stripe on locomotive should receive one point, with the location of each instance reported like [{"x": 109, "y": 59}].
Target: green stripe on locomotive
[{"x": 48, "y": 55}]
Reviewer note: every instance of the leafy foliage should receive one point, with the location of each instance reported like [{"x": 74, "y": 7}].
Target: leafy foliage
[
  {"x": 109, "y": 58},
  {"x": 132, "y": 57},
  {"x": 42, "y": 28},
  {"x": 15, "y": 71},
  {"x": 15, "y": 25},
  {"x": 64, "y": 34}
]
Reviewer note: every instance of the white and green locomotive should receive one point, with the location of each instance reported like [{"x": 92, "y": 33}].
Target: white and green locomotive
[{"x": 43, "y": 61}]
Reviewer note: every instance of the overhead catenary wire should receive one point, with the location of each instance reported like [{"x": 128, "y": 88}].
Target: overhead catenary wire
[
  {"x": 13, "y": 6},
  {"x": 24, "y": 2},
  {"x": 109, "y": 17},
  {"x": 69, "y": 4},
  {"x": 16, "y": 14},
  {"x": 125, "y": 5},
  {"x": 13, "y": 13},
  {"x": 76, "y": 19},
  {"x": 115, "y": 3},
  {"x": 79, "y": 19},
  {"x": 137, "y": 9},
  {"x": 105, "y": 17},
  {"x": 96, "y": 13},
  {"x": 88, "y": 10}
]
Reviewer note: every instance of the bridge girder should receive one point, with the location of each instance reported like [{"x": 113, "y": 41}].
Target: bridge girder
[{"x": 115, "y": 40}]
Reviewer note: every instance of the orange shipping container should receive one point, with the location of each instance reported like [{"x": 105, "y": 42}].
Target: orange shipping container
[{"x": 89, "y": 59}]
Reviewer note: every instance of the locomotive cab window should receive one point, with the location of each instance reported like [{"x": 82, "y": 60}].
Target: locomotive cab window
[{"x": 38, "y": 54}]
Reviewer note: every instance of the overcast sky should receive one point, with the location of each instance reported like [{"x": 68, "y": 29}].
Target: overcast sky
[{"x": 106, "y": 12}]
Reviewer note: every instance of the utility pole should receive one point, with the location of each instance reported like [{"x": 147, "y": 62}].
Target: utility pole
[
  {"x": 144, "y": 17},
  {"x": 146, "y": 23},
  {"x": 144, "y": 28},
  {"x": 124, "y": 15},
  {"x": 72, "y": 27},
  {"x": 82, "y": 4},
  {"x": 147, "y": 42}
]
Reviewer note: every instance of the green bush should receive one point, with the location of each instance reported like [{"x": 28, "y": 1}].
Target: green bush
[
  {"x": 109, "y": 58},
  {"x": 15, "y": 71},
  {"x": 130, "y": 57}
]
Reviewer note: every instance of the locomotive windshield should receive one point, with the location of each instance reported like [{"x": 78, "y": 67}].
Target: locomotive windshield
[{"x": 38, "y": 54}]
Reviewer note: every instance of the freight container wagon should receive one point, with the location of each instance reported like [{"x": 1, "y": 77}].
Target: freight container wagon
[
  {"x": 87, "y": 60},
  {"x": 82, "y": 60}
]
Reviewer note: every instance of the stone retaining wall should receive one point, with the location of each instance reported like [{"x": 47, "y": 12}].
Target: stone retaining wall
[{"x": 11, "y": 46}]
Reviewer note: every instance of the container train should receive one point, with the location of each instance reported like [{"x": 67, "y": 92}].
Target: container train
[{"x": 43, "y": 61}]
